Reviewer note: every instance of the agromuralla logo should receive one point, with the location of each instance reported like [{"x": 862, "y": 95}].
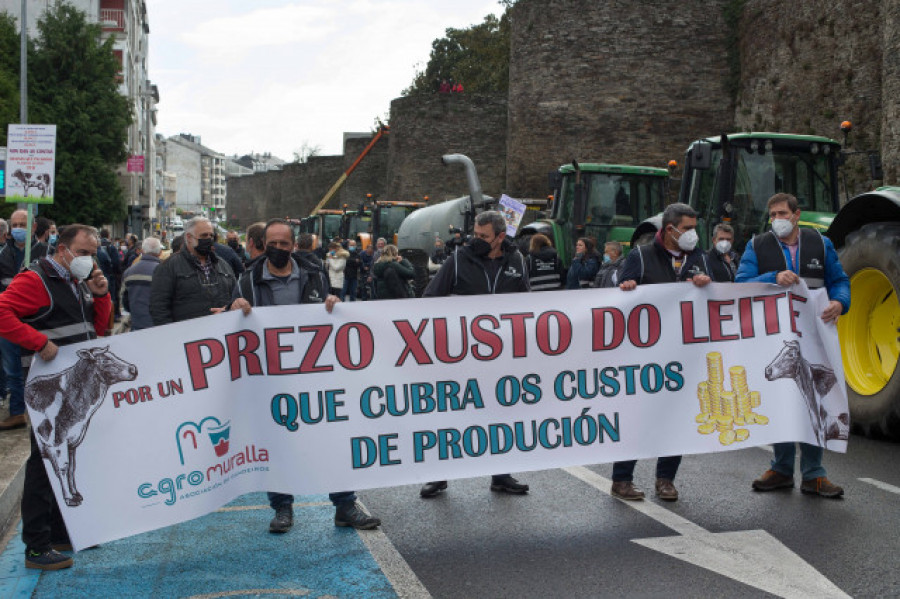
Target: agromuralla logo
[{"x": 193, "y": 452}]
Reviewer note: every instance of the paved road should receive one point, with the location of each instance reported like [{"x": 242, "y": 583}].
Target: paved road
[{"x": 567, "y": 538}]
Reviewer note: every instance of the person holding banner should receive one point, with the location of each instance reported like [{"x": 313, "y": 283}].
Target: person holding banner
[
  {"x": 783, "y": 256},
  {"x": 282, "y": 280},
  {"x": 489, "y": 263},
  {"x": 64, "y": 298},
  {"x": 672, "y": 256}
]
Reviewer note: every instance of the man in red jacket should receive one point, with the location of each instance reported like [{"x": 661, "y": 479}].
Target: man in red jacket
[{"x": 65, "y": 299}]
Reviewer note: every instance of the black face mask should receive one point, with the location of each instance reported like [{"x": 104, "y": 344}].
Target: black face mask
[
  {"x": 278, "y": 257},
  {"x": 204, "y": 246},
  {"x": 480, "y": 247},
  {"x": 233, "y": 243}
]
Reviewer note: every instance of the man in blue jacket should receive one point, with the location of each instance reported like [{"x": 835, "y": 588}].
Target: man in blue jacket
[{"x": 783, "y": 256}]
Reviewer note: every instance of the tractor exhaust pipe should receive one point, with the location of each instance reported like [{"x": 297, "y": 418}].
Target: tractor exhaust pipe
[{"x": 471, "y": 175}]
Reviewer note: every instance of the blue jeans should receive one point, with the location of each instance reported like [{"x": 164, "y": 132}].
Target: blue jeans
[
  {"x": 666, "y": 467},
  {"x": 276, "y": 500},
  {"x": 810, "y": 460},
  {"x": 15, "y": 378},
  {"x": 349, "y": 289}
]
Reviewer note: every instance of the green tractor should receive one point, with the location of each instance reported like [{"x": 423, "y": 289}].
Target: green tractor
[
  {"x": 603, "y": 201},
  {"x": 730, "y": 178}
]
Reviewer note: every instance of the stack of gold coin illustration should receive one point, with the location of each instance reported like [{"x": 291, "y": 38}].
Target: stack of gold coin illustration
[{"x": 722, "y": 410}]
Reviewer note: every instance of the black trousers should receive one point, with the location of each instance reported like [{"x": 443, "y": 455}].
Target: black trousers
[{"x": 42, "y": 523}]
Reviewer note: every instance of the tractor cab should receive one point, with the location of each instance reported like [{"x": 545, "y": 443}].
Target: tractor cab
[
  {"x": 603, "y": 201},
  {"x": 730, "y": 179}
]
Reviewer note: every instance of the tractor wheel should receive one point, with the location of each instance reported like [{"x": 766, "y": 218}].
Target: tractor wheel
[{"x": 869, "y": 330}]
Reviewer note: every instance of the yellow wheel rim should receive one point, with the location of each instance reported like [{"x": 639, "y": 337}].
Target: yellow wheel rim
[{"x": 869, "y": 331}]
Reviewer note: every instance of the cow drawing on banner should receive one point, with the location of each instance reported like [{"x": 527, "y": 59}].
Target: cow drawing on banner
[
  {"x": 814, "y": 381},
  {"x": 41, "y": 181},
  {"x": 66, "y": 401}
]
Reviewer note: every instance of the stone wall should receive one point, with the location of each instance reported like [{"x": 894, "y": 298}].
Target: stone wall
[
  {"x": 890, "y": 91},
  {"x": 425, "y": 128},
  {"x": 632, "y": 82},
  {"x": 292, "y": 192},
  {"x": 615, "y": 81},
  {"x": 369, "y": 177},
  {"x": 807, "y": 65}
]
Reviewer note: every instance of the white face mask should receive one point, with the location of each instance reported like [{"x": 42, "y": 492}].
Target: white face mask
[
  {"x": 687, "y": 241},
  {"x": 723, "y": 246},
  {"x": 782, "y": 227},
  {"x": 80, "y": 266}
]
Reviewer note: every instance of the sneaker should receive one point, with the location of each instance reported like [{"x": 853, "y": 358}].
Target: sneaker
[
  {"x": 821, "y": 486},
  {"x": 350, "y": 514},
  {"x": 433, "y": 488},
  {"x": 17, "y": 421},
  {"x": 771, "y": 480},
  {"x": 625, "y": 489},
  {"x": 666, "y": 490},
  {"x": 48, "y": 560},
  {"x": 507, "y": 484},
  {"x": 283, "y": 520}
]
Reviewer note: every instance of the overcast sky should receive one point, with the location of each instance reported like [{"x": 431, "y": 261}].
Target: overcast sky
[{"x": 269, "y": 75}]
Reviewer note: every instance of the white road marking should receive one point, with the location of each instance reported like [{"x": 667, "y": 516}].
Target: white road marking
[
  {"x": 881, "y": 485},
  {"x": 399, "y": 574},
  {"x": 753, "y": 557}
]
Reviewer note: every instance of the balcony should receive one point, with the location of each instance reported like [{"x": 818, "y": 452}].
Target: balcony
[{"x": 112, "y": 19}]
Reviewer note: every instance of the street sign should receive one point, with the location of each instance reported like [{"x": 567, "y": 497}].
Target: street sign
[
  {"x": 31, "y": 160},
  {"x": 135, "y": 164}
]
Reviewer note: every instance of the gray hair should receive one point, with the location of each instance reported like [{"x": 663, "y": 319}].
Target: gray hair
[
  {"x": 723, "y": 228},
  {"x": 4, "y": 227},
  {"x": 152, "y": 245},
  {"x": 190, "y": 225},
  {"x": 675, "y": 212},
  {"x": 615, "y": 245},
  {"x": 493, "y": 218}
]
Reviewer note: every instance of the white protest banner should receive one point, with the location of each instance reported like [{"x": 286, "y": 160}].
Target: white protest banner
[
  {"x": 173, "y": 422},
  {"x": 31, "y": 163},
  {"x": 512, "y": 211}
]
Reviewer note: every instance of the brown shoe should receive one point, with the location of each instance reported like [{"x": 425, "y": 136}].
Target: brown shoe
[
  {"x": 771, "y": 480},
  {"x": 666, "y": 490},
  {"x": 17, "y": 421},
  {"x": 625, "y": 489},
  {"x": 821, "y": 486}
]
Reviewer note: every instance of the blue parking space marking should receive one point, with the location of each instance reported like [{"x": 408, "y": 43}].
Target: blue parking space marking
[{"x": 220, "y": 554}]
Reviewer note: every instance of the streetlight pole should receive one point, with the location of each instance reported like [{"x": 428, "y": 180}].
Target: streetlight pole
[{"x": 23, "y": 112}]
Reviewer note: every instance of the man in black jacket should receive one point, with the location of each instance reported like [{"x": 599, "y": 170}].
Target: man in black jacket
[
  {"x": 723, "y": 261},
  {"x": 673, "y": 256},
  {"x": 280, "y": 280},
  {"x": 192, "y": 282},
  {"x": 490, "y": 263}
]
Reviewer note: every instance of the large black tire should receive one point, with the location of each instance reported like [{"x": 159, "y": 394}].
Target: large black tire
[{"x": 871, "y": 258}]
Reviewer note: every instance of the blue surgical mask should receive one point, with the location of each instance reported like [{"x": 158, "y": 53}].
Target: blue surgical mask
[
  {"x": 352, "y": 248},
  {"x": 53, "y": 239},
  {"x": 19, "y": 235},
  {"x": 606, "y": 258}
]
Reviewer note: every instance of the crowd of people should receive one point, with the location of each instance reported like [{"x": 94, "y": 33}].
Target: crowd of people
[{"x": 80, "y": 279}]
